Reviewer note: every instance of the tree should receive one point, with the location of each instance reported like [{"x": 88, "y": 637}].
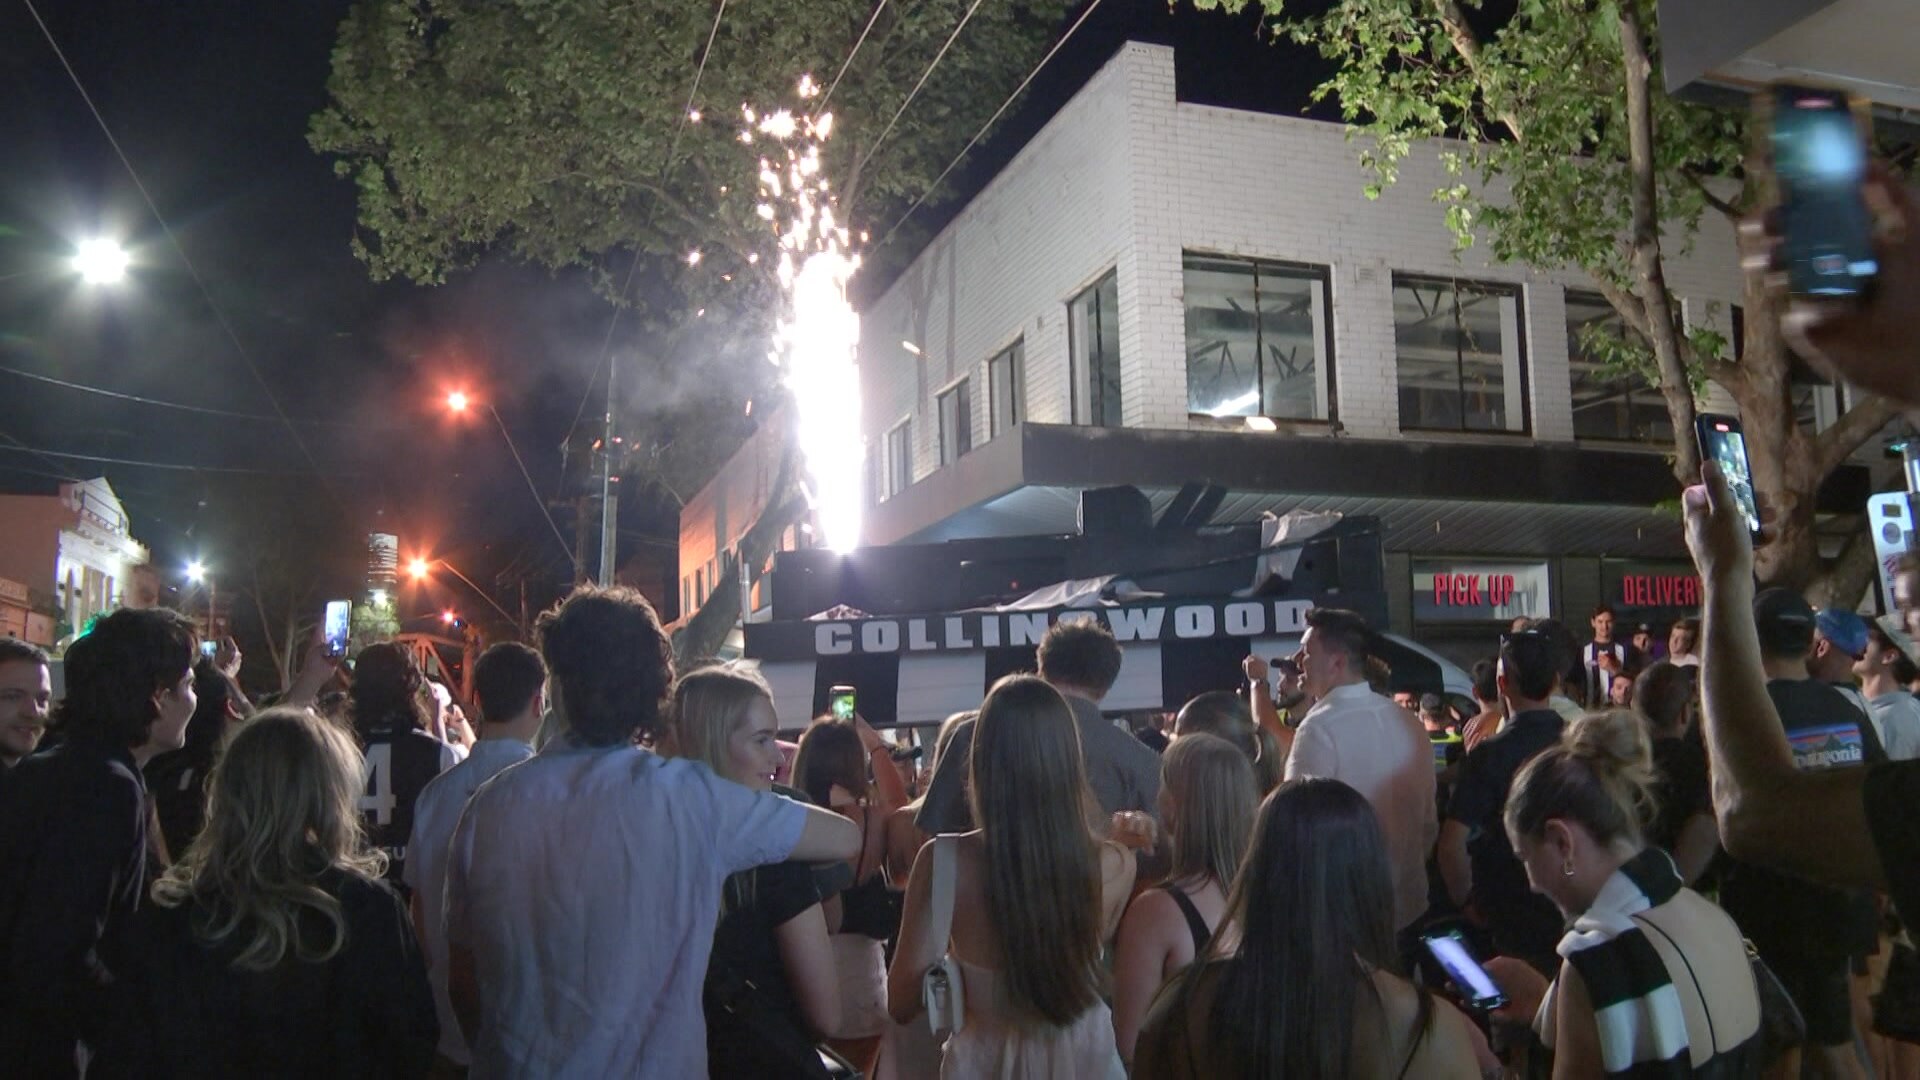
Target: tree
[
  {"x": 1575, "y": 156},
  {"x": 560, "y": 132}
]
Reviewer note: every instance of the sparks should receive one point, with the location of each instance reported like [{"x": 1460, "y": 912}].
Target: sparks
[
  {"x": 816, "y": 343},
  {"x": 693, "y": 258},
  {"x": 693, "y": 116}
]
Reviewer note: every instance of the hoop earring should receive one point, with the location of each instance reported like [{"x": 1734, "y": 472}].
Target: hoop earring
[{"x": 1568, "y": 868}]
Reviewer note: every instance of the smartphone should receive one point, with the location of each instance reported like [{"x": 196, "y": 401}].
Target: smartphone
[
  {"x": 1287, "y": 666},
  {"x": 1819, "y": 147},
  {"x": 1449, "y": 949},
  {"x": 208, "y": 647},
  {"x": 840, "y": 701},
  {"x": 339, "y": 620},
  {"x": 1724, "y": 443}
]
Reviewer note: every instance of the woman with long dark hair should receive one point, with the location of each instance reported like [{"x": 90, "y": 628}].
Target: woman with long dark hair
[
  {"x": 1298, "y": 980},
  {"x": 846, "y": 767},
  {"x": 272, "y": 946},
  {"x": 177, "y": 779},
  {"x": 391, "y": 720},
  {"x": 1032, "y": 894},
  {"x": 1207, "y": 801}
]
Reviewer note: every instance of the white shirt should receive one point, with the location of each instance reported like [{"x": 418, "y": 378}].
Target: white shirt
[
  {"x": 586, "y": 882},
  {"x": 1897, "y": 715},
  {"x": 435, "y": 813},
  {"x": 1363, "y": 739}
]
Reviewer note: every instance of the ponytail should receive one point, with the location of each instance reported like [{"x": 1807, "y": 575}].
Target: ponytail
[{"x": 1600, "y": 775}]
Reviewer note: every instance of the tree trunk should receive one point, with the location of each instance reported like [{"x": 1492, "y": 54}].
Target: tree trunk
[{"x": 1649, "y": 268}]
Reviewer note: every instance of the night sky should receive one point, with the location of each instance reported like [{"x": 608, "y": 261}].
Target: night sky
[{"x": 210, "y": 100}]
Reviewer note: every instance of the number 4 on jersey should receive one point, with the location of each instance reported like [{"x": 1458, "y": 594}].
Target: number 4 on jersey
[{"x": 377, "y": 775}]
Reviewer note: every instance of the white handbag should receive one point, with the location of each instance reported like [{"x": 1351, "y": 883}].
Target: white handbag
[{"x": 941, "y": 988}]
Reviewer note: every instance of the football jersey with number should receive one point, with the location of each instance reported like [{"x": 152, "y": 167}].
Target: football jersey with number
[{"x": 400, "y": 761}]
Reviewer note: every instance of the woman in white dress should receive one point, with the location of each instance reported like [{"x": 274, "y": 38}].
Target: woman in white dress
[{"x": 1032, "y": 894}]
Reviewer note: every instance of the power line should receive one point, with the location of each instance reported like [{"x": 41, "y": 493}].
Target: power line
[
  {"x": 991, "y": 120},
  {"x": 666, "y": 172},
  {"x": 915, "y": 92},
  {"x": 43, "y": 454},
  {"x": 173, "y": 240},
  {"x": 203, "y": 410},
  {"x": 848, "y": 62}
]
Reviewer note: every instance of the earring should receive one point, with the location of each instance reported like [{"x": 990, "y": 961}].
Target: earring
[{"x": 1568, "y": 868}]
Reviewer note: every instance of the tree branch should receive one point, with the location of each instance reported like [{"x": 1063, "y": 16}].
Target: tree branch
[
  {"x": 1699, "y": 183},
  {"x": 1832, "y": 447},
  {"x": 1460, "y": 33},
  {"x": 1849, "y": 576}
]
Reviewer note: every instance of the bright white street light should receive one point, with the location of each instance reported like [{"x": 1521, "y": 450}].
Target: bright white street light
[
  {"x": 196, "y": 571},
  {"x": 100, "y": 262}
]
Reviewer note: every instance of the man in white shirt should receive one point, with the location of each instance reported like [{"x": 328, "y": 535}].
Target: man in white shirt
[
  {"x": 508, "y": 681},
  {"x": 1884, "y": 672},
  {"x": 1363, "y": 739},
  {"x": 1603, "y": 658},
  {"x": 583, "y": 884}
]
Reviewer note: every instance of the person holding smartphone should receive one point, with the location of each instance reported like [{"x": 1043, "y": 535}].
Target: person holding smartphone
[{"x": 1575, "y": 818}]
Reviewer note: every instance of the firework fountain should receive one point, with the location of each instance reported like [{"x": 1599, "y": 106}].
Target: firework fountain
[{"x": 816, "y": 342}]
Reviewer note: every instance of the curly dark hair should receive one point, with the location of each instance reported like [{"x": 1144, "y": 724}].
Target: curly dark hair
[
  {"x": 113, "y": 671},
  {"x": 1082, "y": 654},
  {"x": 386, "y": 688},
  {"x": 611, "y": 665}
]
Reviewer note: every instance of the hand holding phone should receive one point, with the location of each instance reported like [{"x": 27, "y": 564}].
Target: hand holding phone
[
  {"x": 1818, "y": 142},
  {"x": 840, "y": 703},
  {"x": 1477, "y": 988},
  {"x": 1722, "y": 441},
  {"x": 337, "y": 624}
]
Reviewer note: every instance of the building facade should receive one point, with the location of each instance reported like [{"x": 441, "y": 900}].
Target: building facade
[
  {"x": 1159, "y": 293},
  {"x": 75, "y": 548}
]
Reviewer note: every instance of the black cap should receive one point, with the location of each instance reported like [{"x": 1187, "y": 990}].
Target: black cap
[{"x": 1785, "y": 621}]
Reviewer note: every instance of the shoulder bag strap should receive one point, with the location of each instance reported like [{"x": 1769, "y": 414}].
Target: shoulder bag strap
[
  {"x": 1705, "y": 1009},
  {"x": 943, "y": 875}
]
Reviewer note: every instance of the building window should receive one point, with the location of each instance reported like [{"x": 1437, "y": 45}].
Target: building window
[
  {"x": 686, "y": 596},
  {"x": 1093, "y": 339},
  {"x": 700, "y": 586},
  {"x": 1257, "y": 339},
  {"x": 1609, "y": 403},
  {"x": 956, "y": 422},
  {"x": 1460, "y": 355},
  {"x": 898, "y": 468},
  {"x": 1006, "y": 386}
]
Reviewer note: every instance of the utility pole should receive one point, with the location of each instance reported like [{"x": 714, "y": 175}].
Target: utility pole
[{"x": 609, "y": 503}]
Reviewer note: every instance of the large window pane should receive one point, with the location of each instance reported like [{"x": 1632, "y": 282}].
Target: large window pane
[
  {"x": 1256, "y": 339},
  {"x": 1093, "y": 332},
  {"x": 1006, "y": 375},
  {"x": 956, "y": 423},
  {"x": 1459, "y": 354},
  {"x": 1608, "y": 406},
  {"x": 899, "y": 464}
]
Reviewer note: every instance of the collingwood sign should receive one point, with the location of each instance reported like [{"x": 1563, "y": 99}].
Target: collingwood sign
[{"x": 969, "y": 630}]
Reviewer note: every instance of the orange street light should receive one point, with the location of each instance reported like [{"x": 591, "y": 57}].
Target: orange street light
[
  {"x": 418, "y": 569},
  {"x": 448, "y": 616},
  {"x": 458, "y": 401}
]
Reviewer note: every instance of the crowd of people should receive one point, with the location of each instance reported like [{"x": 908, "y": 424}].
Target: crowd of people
[{"x": 1678, "y": 857}]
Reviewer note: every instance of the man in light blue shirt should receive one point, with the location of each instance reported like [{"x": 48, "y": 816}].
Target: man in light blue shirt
[
  {"x": 583, "y": 884},
  {"x": 509, "y": 682}
]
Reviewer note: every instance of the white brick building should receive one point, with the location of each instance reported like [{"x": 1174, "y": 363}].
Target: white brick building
[{"x": 1221, "y": 266}]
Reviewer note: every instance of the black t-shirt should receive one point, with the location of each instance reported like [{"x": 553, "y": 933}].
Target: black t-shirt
[
  {"x": 368, "y": 1011},
  {"x": 73, "y": 871},
  {"x": 1523, "y": 923},
  {"x": 1684, "y": 788},
  {"x": 400, "y": 761},
  {"x": 754, "y": 903},
  {"x": 1790, "y": 917}
]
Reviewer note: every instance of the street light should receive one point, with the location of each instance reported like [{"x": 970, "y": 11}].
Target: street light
[
  {"x": 197, "y": 573},
  {"x": 458, "y": 402},
  {"x": 420, "y": 568},
  {"x": 100, "y": 261}
]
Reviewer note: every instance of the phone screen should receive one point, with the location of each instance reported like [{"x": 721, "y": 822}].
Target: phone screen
[
  {"x": 1723, "y": 443},
  {"x": 1465, "y": 971},
  {"x": 1820, "y": 158},
  {"x": 840, "y": 702},
  {"x": 208, "y": 647},
  {"x": 339, "y": 618}
]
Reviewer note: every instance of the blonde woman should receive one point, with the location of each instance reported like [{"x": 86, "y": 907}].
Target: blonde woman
[
  {"x": 273, "y": 940},
  {"x": 1207, "y": 800},
  {"x": 772, "y": 936},
  {"x": 1031, "y": 893}
]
